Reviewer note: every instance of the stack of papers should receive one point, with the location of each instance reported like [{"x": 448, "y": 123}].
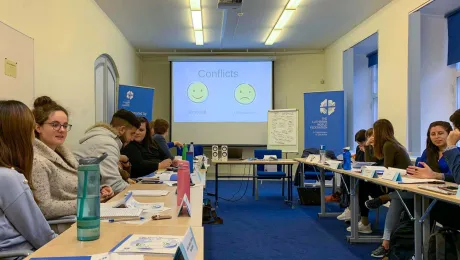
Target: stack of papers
[
  {"x": 150, "y": 193},
  {"x": 105, "y": 256},
  {"x": 148, "y": 244},
  {"x": 120, "y": 212},
  {"x": 407, "y": 180}
]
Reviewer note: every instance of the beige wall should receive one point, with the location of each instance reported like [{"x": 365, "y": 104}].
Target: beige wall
[
  {"x": 391, "y": 22},
  {"x": 68, "y": 37}
]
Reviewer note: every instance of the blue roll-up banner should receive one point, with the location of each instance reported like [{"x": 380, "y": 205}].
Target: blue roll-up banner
[
  {"x": 138, "y": 100},
  {"x": 324, "y": 119}
]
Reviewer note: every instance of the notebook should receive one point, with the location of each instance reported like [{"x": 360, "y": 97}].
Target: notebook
[
  {"x": 150, "y": 193},
  {"x": 406, "y": 180},
  {"x": 104, "y": 256},
  {"x": 120, "y": 212},
  {"x": 148, "y": 244}
]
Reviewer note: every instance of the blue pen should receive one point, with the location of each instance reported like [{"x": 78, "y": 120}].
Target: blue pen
[{"x": 112, "y": 220}]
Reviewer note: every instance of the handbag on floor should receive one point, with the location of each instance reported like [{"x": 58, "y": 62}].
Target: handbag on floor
[
  {"x": 402, "y": 240},
  {"x": 444, "y": 244},
  {"x": 210, "y": 214}
]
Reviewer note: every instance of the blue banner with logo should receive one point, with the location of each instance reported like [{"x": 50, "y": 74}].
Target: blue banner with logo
[
  {"x": 324, "y": 119},
  {"x": 138, "y": 100}
]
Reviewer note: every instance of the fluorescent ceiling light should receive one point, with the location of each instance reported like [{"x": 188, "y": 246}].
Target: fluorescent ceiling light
[
  {"x": 272, "y": 37},
  {"x": 196, "y": 19},
  {"x": 284, "y": 18},
  {"x": 199, "y": 38},
  {"x": 291, "y": 5},
  {"x": 195, "y": 5}
]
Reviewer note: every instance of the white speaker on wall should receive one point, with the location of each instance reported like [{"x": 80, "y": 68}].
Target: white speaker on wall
[
  {"x": 224, "y": 153},
  {"x": 215, "y": 153}
]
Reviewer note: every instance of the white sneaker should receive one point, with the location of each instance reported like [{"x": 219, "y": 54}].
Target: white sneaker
[
  {"x": 362, "y": 228},
  {"x": 345, "y": 216}
]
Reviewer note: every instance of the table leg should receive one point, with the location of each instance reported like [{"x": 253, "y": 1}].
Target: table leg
[
  {"x": 253, "y": 180},
  {"x": 302, "y": 177},
  {"x": 426, "y": 226},
  {"x": 217, "y": 185},
  {"x": 290, "y": 183},
  {"x": 418, "y": 226},
  {"x": 354, "y": 236},
  {"x": 323, "y": 212}
]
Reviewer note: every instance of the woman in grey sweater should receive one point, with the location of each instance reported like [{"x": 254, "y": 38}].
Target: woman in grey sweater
[
  {"x": 22, "y": 225},
  {"x": 55, "y": 168}
]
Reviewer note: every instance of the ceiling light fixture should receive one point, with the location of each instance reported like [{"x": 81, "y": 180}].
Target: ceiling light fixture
[
  {"x": 195, "y": 8},
  {"x": 282, "y": 21}
]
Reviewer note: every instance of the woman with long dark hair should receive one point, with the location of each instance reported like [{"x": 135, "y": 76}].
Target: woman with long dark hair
[
  {"x": 23, "y": 225},
  {"x": 145, "y": 157},
  {"x": 394, "y": 155}
]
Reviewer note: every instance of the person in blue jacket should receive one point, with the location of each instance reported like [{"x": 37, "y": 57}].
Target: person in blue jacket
[{"x": 22, "y": 224}]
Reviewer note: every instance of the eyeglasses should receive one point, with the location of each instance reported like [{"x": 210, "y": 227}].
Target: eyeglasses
[{"x": 57, "y": 126}]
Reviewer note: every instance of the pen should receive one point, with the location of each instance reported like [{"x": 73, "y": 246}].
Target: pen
[{"x": 125, "y": 219}]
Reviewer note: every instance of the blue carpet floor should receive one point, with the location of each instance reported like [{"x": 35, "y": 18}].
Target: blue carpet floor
[{"x": 270, "y": 229}]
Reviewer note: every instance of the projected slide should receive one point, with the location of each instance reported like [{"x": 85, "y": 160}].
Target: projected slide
[{"x": 221, "y": 91}]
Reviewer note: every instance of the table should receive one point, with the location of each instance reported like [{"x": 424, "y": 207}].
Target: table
[
  {"x": 322, "y": 173},
  {"x": 289, "y": 163},
  {"x": 421, "y": 206},
  {"x": 170, "y": 201},
  {"x": 67, "y": 244}
]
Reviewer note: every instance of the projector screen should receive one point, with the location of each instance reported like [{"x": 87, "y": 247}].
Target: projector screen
[{"x": 221, "y": 102}]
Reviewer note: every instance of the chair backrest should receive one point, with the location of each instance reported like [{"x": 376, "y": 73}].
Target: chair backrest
[
  {"x": 198, "y": 149},
  {"x": 259, "y": 154}
]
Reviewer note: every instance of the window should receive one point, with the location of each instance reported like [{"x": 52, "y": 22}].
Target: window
[
  {"x": 375, "y": 91},
  {"x": 105, "y": 83}
]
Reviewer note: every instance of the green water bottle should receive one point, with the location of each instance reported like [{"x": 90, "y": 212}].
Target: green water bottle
[
  {"x": 88, "y": 205},
  {"x": 184, "y": 152}
]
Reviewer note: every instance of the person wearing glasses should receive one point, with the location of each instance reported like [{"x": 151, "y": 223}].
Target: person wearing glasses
[{"x": 54, "y": 168}]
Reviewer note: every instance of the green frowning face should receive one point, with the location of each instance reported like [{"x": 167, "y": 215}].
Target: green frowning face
[
  {"x": 245, "y": 94},
  {"x": 197, "y": 92}
]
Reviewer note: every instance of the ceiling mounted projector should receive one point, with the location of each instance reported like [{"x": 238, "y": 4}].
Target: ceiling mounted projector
[{"x": 229, "y": 4}]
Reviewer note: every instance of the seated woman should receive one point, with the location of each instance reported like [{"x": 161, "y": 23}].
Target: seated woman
[
  {"x": 170, "y": 144},
  {"x": 395, "y": 155},
  {"x": 22, "y": 225},
  {"x": 161, "y": 127},
  {"x": 446, "y": 213},
  {"x": 143, "y": 155},
  {"x": 55, "y": 169}
]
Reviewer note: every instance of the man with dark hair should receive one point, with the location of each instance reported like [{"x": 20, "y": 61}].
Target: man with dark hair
[{"x": 103, "y": 138}]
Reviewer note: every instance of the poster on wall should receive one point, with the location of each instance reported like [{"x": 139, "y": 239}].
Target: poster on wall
[
  {"x": 324, "y": 119},
  {"x": 138, "y": 100}
]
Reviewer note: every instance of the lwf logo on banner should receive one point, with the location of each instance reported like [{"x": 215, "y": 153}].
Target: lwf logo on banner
[
  {"x": 326, "y": 125},
  {"x": 327, "y": 107},
  {"x": 129, "y": 95}
]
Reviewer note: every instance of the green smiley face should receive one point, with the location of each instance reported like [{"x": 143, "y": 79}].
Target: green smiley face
[
  {"x": 245, "y": 94},
  {"x": 197, "y": 92}
]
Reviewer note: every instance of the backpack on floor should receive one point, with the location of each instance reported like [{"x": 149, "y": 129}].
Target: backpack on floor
[
  {"x": 444, "y": 244},
  {"x": 210, "y": 214},
  {"x": 402, "y": 241}
]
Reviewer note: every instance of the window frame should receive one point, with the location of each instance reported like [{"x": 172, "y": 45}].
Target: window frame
[
  {"x": 374, "y": 78},
  {"x": 109, "y": 70}
]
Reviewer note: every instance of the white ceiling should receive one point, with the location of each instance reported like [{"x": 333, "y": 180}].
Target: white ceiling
[
  {"x": 440, "y": 7},
  {"x": 166, "y": 24}
]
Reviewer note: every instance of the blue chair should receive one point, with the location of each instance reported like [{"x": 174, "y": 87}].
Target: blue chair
[
  {"x": 198, "y": 149},
  {"x": 262, "y": 174}
]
